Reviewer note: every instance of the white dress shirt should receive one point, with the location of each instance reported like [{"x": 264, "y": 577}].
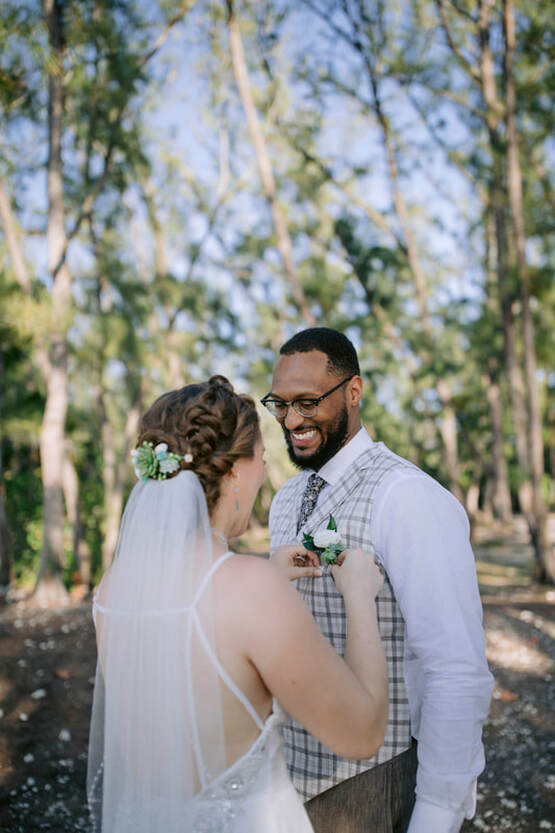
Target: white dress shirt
[{"x": 421, "y": 534}]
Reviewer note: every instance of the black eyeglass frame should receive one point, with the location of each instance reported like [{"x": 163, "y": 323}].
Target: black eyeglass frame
[{"x": 315, "y": 401}]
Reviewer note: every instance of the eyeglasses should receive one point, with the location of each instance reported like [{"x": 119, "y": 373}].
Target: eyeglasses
[{"x": 304, "y": 407}]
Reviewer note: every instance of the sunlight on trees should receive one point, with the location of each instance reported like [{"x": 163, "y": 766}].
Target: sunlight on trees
[{"x": 183, "y": 186}]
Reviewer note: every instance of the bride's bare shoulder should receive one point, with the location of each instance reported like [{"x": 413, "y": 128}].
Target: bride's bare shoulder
[
  {"x": 252, "y": 572},
  {"x": 252, "y": 566}
]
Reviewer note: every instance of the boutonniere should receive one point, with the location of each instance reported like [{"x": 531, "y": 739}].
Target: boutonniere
[{"x": 326, "y": 542}]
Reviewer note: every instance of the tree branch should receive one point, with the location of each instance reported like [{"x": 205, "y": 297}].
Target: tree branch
[
  {"x": 92, "y": 196},
  {"x": 464, "y": 62}
]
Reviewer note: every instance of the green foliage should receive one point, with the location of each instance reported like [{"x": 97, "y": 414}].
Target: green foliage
[{"x": 176, "y": 268}]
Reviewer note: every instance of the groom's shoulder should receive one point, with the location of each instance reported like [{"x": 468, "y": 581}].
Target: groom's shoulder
[
  {"x": 289, "y": 487},
  {"x": 379, "y": 461},
  {"x": 286, "y": 493}
]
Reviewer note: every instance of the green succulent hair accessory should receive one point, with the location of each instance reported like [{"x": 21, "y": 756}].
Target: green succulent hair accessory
[{"x": 156, "y": 462}]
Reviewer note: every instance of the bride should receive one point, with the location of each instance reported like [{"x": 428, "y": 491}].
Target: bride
[{"x": 200, "y": 651}]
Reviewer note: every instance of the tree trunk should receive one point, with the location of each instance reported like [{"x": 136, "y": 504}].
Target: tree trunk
[
  {"x": 112, "y": 506},
  {"x": 448, "y": 431},
  {"x": 264, "y": 166},
  {"x": 5, "y": 538},
  {"x": 78, "y": 544},
  {"x": 500, "y": 498},
  {"x": 471, "y": 502},
  {"x": 501, "y": 495},
  {"x": 5, "y": 543},
  {"x": 493, "y": 110},
  {"x": 12, "y": 240},
  {"x": 487, "y": 499},
  {"x": 545, "y": 557},
  {"x": 49, "y": 588},
  {"x": 112, "y": 510},
  {"x": 114, "y": 476}
]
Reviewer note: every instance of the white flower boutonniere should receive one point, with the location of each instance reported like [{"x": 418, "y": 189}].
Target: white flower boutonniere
[{"x": 326, "y": 542}]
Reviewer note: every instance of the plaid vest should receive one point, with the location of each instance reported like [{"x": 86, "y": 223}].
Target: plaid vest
[{"x": 312, "y": 766}]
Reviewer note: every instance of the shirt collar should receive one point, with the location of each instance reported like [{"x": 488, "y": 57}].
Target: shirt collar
[{"x": 334, "y": 469}]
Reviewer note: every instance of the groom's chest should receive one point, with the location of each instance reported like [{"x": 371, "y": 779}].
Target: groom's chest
[{"x": 350, "y": 504}]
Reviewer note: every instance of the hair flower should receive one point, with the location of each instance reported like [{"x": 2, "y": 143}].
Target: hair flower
[
  {"x": 188, "y": 457},
  {"x": 169, "y": 464},
  {"x": 154, "y": 463},
  {"x": 161, "y": 451}
]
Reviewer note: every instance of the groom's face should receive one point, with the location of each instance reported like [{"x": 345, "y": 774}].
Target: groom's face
[{"x": 312, "y": 441}]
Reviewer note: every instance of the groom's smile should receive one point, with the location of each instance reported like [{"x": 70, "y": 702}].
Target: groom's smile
[
  {"x": 302, "y": 439},
  {"x": 299, "y": 379}
]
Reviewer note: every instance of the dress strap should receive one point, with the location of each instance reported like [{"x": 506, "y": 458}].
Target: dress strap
[
  {"x": 210, "y": 650},
  {"x": 202, "y": 586},
  {"x": 245, "y": 702}
]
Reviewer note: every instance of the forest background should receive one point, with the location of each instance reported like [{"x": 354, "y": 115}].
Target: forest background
[{"x": 184, "y": 185}]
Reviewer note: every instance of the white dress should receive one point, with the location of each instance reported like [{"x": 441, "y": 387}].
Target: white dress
[{"x": 255, "y": 794}]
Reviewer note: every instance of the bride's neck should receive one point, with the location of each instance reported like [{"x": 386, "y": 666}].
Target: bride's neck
[
  {"x": 219, "y": 538},
  {"x": 221, "y": 526}
]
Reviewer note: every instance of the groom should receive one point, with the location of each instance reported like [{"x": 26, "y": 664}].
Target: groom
[{"x": 429, "y": 608}]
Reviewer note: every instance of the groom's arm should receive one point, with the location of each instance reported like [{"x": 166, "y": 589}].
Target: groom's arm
[{"x": 421, "y": 532}]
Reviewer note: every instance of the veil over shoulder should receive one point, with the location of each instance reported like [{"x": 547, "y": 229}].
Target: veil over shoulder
[
  {"x": 157, "y": 755},
  {"x": 155, "y": 687}
]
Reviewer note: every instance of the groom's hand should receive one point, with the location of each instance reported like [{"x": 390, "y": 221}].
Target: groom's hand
[{"x": 296, "y": 561}]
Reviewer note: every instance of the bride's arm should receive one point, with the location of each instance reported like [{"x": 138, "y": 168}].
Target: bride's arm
[{"x": 342, "y": 703}]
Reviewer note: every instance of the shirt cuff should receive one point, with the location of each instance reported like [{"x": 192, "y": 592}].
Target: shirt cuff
[{"x": 429, "y": 818}]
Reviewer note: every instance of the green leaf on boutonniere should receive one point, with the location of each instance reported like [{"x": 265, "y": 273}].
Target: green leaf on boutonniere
[
  {"x": 330, "y": 553},
  {"x": 308, "y": 543}
]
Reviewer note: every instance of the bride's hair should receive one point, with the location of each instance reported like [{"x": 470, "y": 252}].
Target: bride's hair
[{"x": 209, "y": 422}]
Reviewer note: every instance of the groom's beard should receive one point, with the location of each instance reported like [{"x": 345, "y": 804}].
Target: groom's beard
[{"x": 337, "y": 434}]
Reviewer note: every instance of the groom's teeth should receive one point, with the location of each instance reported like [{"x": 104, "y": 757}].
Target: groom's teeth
[{"x": 304, "y": 435}]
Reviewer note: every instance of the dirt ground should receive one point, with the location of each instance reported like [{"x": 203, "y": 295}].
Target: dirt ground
[{"x": 46, "y": 683}]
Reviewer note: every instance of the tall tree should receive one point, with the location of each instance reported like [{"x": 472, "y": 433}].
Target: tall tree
[
  {"x": 469, "y": 39},
  {"x": 264, "y": 165},
  {"x": 89, "y": 121},
  {"x": 50, "y": 589},
  {"x": 545, "y": 554}
]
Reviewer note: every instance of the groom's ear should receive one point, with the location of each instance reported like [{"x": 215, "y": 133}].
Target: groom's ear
[{"x": 354, "y": 392}]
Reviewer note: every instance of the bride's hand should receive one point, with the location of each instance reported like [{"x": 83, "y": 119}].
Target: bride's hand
[
  {"x": 357, "y": 572},
  {"x": 296, "y": 561}
]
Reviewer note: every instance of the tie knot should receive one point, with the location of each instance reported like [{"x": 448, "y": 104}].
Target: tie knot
[{"x": 315, "y": 483}]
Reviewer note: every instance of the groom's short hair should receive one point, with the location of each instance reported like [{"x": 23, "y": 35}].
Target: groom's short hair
[{"x": 342, "y": 356}]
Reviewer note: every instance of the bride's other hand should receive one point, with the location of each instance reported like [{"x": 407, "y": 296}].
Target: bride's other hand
[
  {"x": 295, "y": 561},
  {"x": 356, "y": 573}
]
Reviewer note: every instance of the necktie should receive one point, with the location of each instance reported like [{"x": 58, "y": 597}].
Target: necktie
[{"x": 314, "y": 486}]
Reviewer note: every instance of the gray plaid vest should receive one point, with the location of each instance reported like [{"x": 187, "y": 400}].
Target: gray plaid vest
[{"x": 312, "y": 766}]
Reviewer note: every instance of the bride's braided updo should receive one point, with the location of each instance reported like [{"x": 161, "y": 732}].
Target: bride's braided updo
[{"x": 209, "y": 422}]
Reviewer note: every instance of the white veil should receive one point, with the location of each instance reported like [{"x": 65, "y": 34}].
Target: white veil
[{"x": 156, "y": 733}]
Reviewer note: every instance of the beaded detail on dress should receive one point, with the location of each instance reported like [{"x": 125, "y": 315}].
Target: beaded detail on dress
[{"x": 223, "y": 801}]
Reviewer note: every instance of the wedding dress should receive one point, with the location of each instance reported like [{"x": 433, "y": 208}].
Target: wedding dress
[
  {"x": 157, "y": 754},
  {"x": 255, "y": 794}
]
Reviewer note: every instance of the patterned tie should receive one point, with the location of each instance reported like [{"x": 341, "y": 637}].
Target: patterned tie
[{"x": 314, "y": 486}]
